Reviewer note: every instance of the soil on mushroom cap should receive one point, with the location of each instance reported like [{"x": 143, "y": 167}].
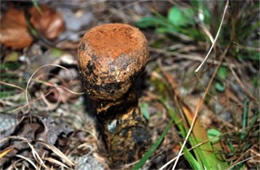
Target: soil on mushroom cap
[{"x": 113, "y": 40}]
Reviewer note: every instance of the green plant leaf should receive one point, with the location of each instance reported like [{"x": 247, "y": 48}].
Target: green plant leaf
[
  {"x": 213, "y": 135},
  {"x": 146, "y": 22},
  {"x": 181, "y": 16},
  {"x": 144, "y": 107},
  {"x": 222, "y": 73},
  {"x": 220, "y": 87},
  {"x": 166, "y": 30}
]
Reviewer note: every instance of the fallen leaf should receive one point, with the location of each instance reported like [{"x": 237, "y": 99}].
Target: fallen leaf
[
  {"x": 13, "y": 30},
  {"x": 49, "y": 22}
]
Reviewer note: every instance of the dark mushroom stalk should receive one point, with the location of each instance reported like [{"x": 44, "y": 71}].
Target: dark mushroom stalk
[{"x": 110, "y": 58}]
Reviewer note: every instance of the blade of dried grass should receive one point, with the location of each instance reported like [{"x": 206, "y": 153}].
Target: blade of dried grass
[
  {"x": 12, "y": 85},
  {"x": 216, "y": 37},
  {"x": 207, "y": 32},
  {"x": 28, "y": 160},
  {"x": 58, "y": 152},
  {"x": 50, "y": 106},
  {"x": 54, "y": 161}
]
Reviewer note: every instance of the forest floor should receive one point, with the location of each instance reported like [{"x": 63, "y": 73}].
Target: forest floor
[{"x": 203, "y": 75}]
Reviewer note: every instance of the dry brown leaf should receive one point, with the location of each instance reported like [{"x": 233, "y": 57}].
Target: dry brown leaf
[
  {"x": 49, "y": 22},
  {"x": 13, "y": 30}
]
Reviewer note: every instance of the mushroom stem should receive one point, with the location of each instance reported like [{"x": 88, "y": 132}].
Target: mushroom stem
[
  {"x": 124, "y": 129},
  {"x": 111, "y": 57}
]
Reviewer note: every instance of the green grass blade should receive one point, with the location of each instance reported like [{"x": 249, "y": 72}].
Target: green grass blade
[
  {"x": 152, "y": 149},
  {"x": 203, "y": 154},
  {"x": 144, "y": 110},
  {"x": 192, "y": 161},
  {"x": 244, "y": 120},
  {"x": 35, "y": 4}
]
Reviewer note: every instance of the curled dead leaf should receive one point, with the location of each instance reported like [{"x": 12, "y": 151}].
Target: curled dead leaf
[
  {"x": 13, "y": 30},
  {"x": 49, "y": 22}
]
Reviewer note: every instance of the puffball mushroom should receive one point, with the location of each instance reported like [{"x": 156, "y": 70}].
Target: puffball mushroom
[{"x": 110, "y": 58}]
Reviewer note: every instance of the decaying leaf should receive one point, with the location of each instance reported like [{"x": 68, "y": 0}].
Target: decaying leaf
[
  {"x": 50, "y": 23},
  {"x": 13, "y": 30},
  {"x": 13, "y": 27}
]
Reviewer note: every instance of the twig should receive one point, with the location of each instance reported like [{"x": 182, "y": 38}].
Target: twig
[{"x": 214, "y": 42}]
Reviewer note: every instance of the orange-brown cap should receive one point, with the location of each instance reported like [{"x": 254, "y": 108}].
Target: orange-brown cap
[{"x": 110, "y": 57}]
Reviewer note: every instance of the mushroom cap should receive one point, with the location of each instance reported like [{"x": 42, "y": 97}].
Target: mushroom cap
[{"x": 110, "y": 57}]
